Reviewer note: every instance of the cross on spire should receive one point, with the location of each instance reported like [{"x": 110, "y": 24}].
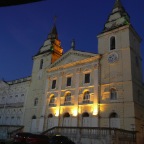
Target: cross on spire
[{"x": 54, "y": 20}]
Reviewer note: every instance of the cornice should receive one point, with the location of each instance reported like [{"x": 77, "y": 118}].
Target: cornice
[
  {"x": 113, "y": 31},
  {"x": 120, "y": 29},
  {"x": 80, "y": 62},
  {"x": 74, "y": 52}
]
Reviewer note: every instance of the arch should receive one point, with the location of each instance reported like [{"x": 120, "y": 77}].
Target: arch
[
  {"x": 85, "y": 114},
  {"x": 50, "y": 116},
  {"x": 66, "y": 119},
  {"x": 33, "y": 123},
  {"x": 52, "y": 100},
  {"x": 67, "y": 98},
  {"x": 66, "y": 115},
  {"x": 86, "y": 120},
  {"x": 113, "y": 115},
  {"x": 33, "y": 117},
  {"x": 114, "y": 120},
  {"x": 86, "y": 97},
  {"x": 112, "y": 43},
  {"x": 50, "y": 121},
  {"x": 41, "y": 64}
]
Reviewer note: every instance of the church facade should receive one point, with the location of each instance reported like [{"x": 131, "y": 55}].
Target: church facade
[{"x": 81, "y": 89}]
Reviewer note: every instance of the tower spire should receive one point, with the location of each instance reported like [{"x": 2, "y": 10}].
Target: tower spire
[
  {"x": 53, "y": 34},
  {"x": 117, "y": 3},
  {"x": 118, "y": 17}
]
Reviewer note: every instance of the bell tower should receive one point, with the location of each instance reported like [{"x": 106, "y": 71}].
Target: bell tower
[
  {"x": 121, "y": 89},
  {"x": 47, "y": 54}
]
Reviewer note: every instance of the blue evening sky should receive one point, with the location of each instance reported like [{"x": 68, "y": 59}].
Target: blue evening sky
[{"x": 24, "y": 28}]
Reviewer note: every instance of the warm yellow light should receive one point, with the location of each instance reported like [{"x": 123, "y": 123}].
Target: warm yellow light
[
  {"x": 75, "y": 112},
  {"x": 57, "y": 113},
  {"x": 95, "y": 111}
]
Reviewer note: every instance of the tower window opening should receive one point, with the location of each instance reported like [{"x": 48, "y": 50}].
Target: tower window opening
[
  {"x": 112, "y": 43},
  {"x": 36, "y": 102},
  {"x": 41, "y": 64}
]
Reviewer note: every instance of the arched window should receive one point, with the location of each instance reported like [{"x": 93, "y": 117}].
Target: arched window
[
  {"x": 113, "y": 94},
  {"x": 114, "y": 120},
  {"x": 33, "y": 124},
  {"x": 33, "y": 117},
  {"x": 50, "y": 121},
  {"x": 68, "y": 98},
  {"x": 112, "y": 43},
  {"x": 35, "y": 101},
  {"x": 52, "y": 101},
  {"x": 41, "y": 64},
  {"x": 86, "y": 97},
  {"x": 113, "y": 115},
  {"x": 66, "y": 115},
  {"x": 50, "y": 116},
  {"x": 66, "y": 119},
  {"x": 86, "y": 120},
  {"x": 85, "y": 114}
]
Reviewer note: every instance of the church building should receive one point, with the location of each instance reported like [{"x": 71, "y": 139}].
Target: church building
[{"x": 81, "y": 89}]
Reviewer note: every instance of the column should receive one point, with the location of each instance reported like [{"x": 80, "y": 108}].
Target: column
[
  {"x": 42, "y": 118},
  {"x": 95, "y": 104},
  {"x": 75, "y": 119}
]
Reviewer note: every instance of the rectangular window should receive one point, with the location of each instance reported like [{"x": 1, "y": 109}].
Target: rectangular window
[
  {"x": 68, "y": 81},
  {"x": 53, "y": 84},
  {"x": 87, "y": 78}
]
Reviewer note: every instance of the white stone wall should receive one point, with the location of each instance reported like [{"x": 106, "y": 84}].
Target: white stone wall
[
  {"x": 76, "y": 107},
  {"x": 12, "y": 101}
]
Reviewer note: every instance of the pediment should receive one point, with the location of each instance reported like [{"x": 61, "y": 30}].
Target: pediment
[{"x": 72, "y": 56}]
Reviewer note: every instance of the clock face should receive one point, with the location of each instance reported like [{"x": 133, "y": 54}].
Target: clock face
[{"x": 112, "y": 57}]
